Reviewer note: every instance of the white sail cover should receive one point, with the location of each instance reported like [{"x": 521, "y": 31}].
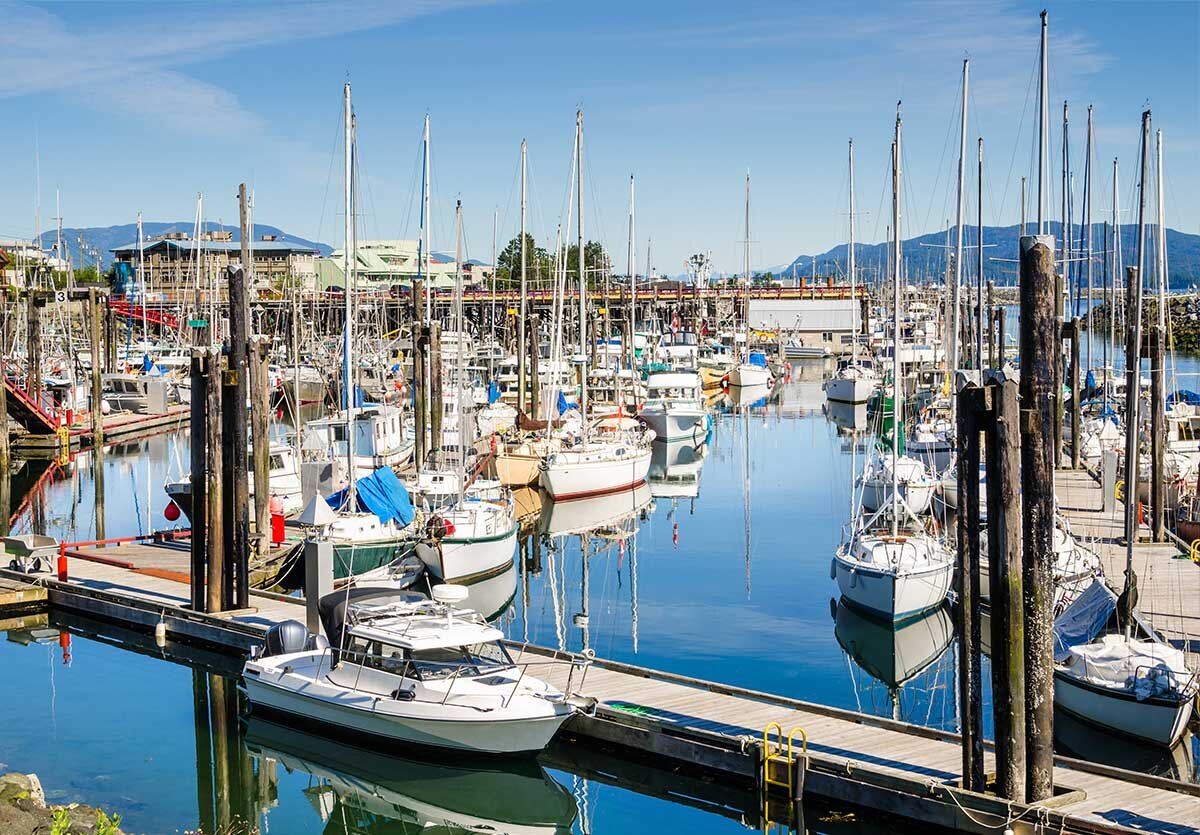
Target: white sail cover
[{"x": 1146, "y": 668}]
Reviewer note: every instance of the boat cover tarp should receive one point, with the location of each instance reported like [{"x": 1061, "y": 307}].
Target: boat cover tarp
[
  {"x": 1147, "y": 668},
  {"x": 1090, "y": 615},
  {"x": 758, "y": 358},
  {"x": 380, "y": 493},
  {"x": 1184, "y": 396},
  {"x": 333, "y": 606}
]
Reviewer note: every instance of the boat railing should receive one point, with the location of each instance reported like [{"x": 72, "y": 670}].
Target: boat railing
[
  {"x": 411, "y": 669},
  {"x": 1160, "y": 678}
]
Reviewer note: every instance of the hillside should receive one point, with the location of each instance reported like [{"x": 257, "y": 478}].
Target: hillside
[
  {"x": 925, "y": 255},
  {"x": 105, "y": 238}
]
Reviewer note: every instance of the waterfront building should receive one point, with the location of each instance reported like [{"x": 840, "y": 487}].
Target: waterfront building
[{"x": 382, "y": 265}]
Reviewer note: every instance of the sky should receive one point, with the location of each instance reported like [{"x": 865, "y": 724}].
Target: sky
[{"x": 124, "y": 107}]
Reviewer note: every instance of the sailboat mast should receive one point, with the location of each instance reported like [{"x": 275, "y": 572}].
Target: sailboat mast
[
  {"x": 1160, "y": 235},
  {"x": 955, "y": 298},
  {"x": 1087, "y": 211},
  {"x": 582, "y": 261},
  {"x": 349, "y": 260},
  {"x": 1043, "y": 128},
  {"x": 746, "y": 270},
  {"x": 632, "y": 279},
  {"x": 1133, "y": 367},
  {"x": 1118, "y": 264},
  {"x": 1066, "y": 209},
  {"x": 522, "y": 349},
  {"x": 851, "y": 265},
  {"x": 897, "y": 387},
  {"x": 979, "y": 312},
  {"x": 460, "y": 371},
  {"x": 424, "y": 219}
]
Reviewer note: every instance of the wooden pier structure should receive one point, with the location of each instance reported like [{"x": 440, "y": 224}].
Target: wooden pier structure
[{"x": 679, "y": 722}]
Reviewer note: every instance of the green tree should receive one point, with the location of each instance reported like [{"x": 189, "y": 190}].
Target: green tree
[
  {"x": 597, "y": 261},
  {"x": 538, "y": 262}
]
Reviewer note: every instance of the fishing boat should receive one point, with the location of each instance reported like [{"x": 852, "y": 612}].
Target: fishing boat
[
  {"x": 284, "y": 483},
  {"x": 1120, "y": 676},
  {"x": 854, "y": 381},
  {"x": 404, "y": 669},
  {"x": 674, "y": 408}
]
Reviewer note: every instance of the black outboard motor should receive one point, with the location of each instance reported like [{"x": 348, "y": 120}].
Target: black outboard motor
[{"x": 287, "y": 637}]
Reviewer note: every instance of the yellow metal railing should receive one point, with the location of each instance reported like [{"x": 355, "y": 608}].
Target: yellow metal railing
[{"x": 785, "y": 756}]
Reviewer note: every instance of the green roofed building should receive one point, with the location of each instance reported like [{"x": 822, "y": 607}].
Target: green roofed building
[{"x": 383, "y": 265}]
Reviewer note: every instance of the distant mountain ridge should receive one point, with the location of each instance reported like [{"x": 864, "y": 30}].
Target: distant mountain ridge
[
  {"x": 925, "y": 255},
  {"x": 104, "y": 238}
]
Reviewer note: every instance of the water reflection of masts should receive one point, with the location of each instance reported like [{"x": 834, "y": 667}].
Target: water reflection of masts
[
  {"x": 633, "y": 593},
  {"x": 581, "y": 617},
  {"x": 746, "y": 482}
]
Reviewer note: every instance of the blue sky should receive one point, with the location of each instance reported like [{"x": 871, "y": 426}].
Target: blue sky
[{"x": 139, "y": 106}]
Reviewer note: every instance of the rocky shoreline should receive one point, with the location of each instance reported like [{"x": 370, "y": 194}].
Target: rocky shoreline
[
  {"x": 1183, "y": 319},
  {"x": 23, "y": 811}
]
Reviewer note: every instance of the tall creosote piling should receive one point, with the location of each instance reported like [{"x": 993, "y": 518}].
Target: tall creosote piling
[
  {"x": 260, "y": 429},
  {"x": 214, "y": 460},
  {"x": 435, "y": 386},
  {"x": 33, "y": 343},
  {"x": 972, "y": 411},
  {"x": 95, "y": 345},
  {"x": 1005, "y": 584},
  {"x": 5, "y": 452},
  {"x": 1041, "y": 354},
  {"x": 237, "y": 488},
  {"x": 198, "y": 428},
  {"x": 1000, "y": 336}
]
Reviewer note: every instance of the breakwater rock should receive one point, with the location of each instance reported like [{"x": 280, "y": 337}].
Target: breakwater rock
[{"x": 23, "y": 811}]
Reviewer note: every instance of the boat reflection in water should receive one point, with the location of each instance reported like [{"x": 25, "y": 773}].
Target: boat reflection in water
[
  {"x": 848, "y": 417},
  {"x": 597, "y": 512},
  {"x": 356, "y": 790},
  {"x": 893, "y": 654},
  {"x": 675, "y": 470},
  {"x": 1076, "y": 738},
  {"x": 492, "y": 596}
]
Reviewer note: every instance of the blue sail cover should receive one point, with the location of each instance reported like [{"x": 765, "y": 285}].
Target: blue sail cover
[
  {"x": 758, "y": 358},
  {"x": 380, "y": 493}
]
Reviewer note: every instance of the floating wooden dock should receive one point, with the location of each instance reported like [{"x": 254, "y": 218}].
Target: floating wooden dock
[
  {"x": 125, "y": 426},
  {"x": 868, "y": 761},
  {"x": 18, "y": 596},
  {"x": 1168, "y": 582}
]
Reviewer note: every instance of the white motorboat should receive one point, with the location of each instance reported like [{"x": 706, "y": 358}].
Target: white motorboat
[
  {"x": 595, "y": 467},
  {"x": 894, "y": 576},
  {"x": 1137, "y": 686},
  {"x": 674, "y": 407},
  {"x": 413, "y": 671},
  {"x": 853, "y": 382},
  {"x": 915, "y": 486},
  {"x": 379, "y": 437}
]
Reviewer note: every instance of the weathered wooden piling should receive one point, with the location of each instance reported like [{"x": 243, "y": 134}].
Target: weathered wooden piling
[
  {"x": 215, "y": 484},
  {"x": 1001, "y": 314},
  {"x": 237, "y": 487},
  {"x": 1040, "y": 357},
  {"x": 260, "y": 434},
  {"x": 436, "y": 403},
  {"x": 96, "y": 346},
  {"x": 33, "y": 342},
  {"x": 1158, "y": 421},
  {"x": 1006, "y": 597},
  {"x": 198, "y": 430},
  {"x": 972, "y": 410},
  {"x": 1071, "y": 329}
]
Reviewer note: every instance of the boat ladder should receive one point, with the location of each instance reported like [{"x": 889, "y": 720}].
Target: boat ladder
[{"x": 775, "y": 755}]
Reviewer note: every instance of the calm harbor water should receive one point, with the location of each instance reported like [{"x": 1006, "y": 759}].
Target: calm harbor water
[{"x": 721, "y": 574}]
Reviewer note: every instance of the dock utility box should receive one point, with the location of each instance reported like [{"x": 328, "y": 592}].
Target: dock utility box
[{"x": 31, "y": 552}]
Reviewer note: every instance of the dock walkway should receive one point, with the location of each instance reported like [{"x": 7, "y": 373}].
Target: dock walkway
[
  {"x": 1168, "y": 582},
  {"x": 902, "y": 769}
]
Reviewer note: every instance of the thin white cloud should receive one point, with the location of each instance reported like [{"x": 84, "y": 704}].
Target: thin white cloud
[{"x": 40, "y": 54}]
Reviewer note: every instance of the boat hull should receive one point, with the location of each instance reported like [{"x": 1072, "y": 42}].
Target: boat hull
[
  {"x": 349, "y": 559},
  {"x": 674, "y": 424},
  {"x": 887, "y": 595},
  {"x": 1158, "y": 720},
  {"x": 569, "y": 475},
  {"x": 377, "y": 717},
  {"x": 849, "y": 390},
  {"x": 516, "y": 469},
  {"x": 469, "y": 560},
  {"x": 749, "y": 375}
]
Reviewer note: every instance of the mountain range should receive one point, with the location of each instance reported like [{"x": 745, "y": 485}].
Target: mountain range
[
  {"x": 101, "y": 239},
  {"x": 925, "y": 256}
]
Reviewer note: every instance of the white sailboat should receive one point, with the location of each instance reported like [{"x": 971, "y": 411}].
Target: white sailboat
[
  {"x": 746, "y": 373},
  {"x": 891, "y": 571}
]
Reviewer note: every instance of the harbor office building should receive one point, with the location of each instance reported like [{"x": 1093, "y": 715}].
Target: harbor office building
[
  {"x": 170, "y": 265},
  {"x": 389, "y": 265},
  {"x": 814, "y": 323}
]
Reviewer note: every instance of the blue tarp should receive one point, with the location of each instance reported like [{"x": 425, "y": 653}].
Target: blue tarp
[
  {"x": 1185, "y": 395},
  {"x": 563, "y": 405},
  {"x": 758, "y": 358},
  {"x": 380, "y": 493},
  {"x": 493, "y": 392}
]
